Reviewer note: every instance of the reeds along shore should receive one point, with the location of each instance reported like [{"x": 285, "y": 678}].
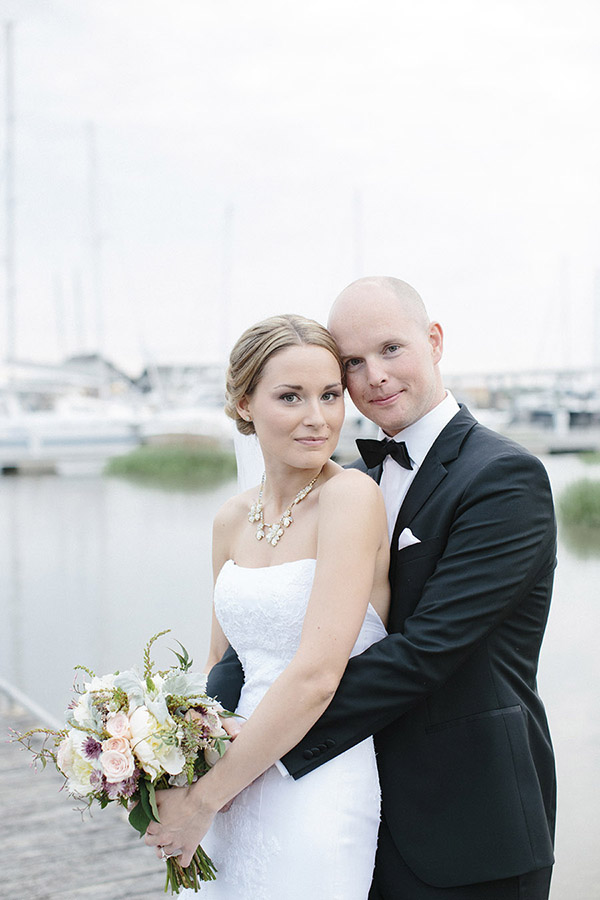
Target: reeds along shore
[
  {"x": 579, "y": 504},
  {"x": 181, "y": 465},
  {"x": 193, "y": 465}
]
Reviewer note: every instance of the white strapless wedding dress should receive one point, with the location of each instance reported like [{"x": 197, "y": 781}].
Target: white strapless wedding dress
[{"x": 311, "y": 839}]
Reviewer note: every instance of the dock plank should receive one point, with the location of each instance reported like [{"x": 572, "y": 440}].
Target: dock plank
[{"x": 51, "y": 851}]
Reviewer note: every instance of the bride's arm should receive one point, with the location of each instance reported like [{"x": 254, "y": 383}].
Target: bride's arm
[
  {"x": 225, "y": 673},
  {"x": 221, "y": 551},
  {"x": 351, "y": 532}
]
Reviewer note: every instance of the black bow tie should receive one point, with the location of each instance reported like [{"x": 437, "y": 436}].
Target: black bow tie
[{"x": 374, "y": 452}]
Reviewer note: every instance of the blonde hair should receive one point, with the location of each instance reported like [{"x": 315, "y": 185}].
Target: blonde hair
[{"x": 255, "y": 348}]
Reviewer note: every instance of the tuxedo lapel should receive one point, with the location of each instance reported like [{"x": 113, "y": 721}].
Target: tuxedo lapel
[
  {"x": 425, "y": 482},
  {"x": 434, "y": 468}
]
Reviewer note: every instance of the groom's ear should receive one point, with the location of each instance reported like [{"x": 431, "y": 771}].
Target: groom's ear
[{"x": 436, "y": 339}]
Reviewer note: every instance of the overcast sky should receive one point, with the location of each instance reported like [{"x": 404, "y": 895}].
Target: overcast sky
[{"x": 248, "y": 158}]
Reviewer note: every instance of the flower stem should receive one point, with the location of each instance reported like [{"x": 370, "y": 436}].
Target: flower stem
[{"x": 200, "y": 869}]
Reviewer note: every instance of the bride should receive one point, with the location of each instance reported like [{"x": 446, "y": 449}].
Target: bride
[{"x": 301, "y": 569}]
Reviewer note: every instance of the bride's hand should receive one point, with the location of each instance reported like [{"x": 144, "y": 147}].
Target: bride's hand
[{"x": 183, "y": 823}]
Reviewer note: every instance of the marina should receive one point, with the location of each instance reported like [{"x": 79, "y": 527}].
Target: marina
[{"x": 56, "y": 418}]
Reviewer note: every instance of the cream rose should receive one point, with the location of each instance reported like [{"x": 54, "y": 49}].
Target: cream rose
[
  {"x": 79, "y": 781},
  {"x": 143, "y": 725},
  {"x": 64, "y": 756},
  {"x": 116, "y": 766},
  {"x": 75, "y": 765},
  {"x": 152, "y": 744}
]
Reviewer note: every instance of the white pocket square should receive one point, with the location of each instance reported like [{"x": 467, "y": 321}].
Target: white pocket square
[{"x": 407, "y": 539}]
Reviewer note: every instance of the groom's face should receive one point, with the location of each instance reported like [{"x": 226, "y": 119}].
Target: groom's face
[{"x": 391, "y": 358}]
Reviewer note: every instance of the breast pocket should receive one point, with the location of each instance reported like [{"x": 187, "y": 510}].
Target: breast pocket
[
  {"x": 432, "y": 547},
  {"x": 409, "y": 571}
]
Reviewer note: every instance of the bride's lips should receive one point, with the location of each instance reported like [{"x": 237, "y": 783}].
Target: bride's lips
[{"x": 312, "y": 442}]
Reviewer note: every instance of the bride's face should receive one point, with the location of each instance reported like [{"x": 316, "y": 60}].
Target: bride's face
[{"x": 298, "y": 406}]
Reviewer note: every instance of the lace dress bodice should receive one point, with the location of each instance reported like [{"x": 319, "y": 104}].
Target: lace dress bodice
[{"x": 261, "y": 611}]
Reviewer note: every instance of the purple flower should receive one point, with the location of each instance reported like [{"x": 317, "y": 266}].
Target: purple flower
[
  {"x": 113, "y": 789},
  {"x": 97, "y": 779},
  {"x": 125, "y": 788},
  {"x": 129, "y": 785},
  {"x": 92, "y": 748}
]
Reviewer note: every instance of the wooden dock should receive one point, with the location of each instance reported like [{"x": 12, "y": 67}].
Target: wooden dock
[{"x": 48, "y": 849}]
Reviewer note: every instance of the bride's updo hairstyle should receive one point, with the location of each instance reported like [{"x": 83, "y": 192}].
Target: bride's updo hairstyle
[{"x": 255, "y": 348}]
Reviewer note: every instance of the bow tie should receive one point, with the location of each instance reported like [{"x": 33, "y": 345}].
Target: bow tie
[{"x": 374, "y": 452}]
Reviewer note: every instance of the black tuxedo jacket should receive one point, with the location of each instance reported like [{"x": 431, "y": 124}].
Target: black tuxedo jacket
[{"x": 463, "y": 748}]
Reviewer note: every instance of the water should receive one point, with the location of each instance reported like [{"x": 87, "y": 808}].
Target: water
[{"x": 90, "y": 568}]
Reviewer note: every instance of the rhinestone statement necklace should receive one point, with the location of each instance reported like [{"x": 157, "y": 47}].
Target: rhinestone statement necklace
[{"x": 275, "y": 531}]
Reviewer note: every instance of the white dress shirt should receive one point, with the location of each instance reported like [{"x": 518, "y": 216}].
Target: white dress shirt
[{"x": 419, "y": 439}]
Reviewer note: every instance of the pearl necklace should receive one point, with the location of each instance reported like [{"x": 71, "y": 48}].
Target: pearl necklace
[{"x": 275, "y": 531}]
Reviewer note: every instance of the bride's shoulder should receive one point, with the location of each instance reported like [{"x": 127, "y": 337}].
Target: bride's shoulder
[
  {"x": 235, "y": 508},
  {"x": 349, "y": 487},
  {"x": 351, "y": 505}
]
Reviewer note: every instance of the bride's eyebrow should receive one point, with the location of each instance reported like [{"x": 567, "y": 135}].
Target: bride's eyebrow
[{"x": 298, "y": 387}]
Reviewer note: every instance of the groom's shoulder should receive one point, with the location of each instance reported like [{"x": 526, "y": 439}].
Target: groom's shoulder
[
  {"x": 475, "y": 438},
  {"x": 488, "y": 455},
  {"x": 488, "y": 443}
]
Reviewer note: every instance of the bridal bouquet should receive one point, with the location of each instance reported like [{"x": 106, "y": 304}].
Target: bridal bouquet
[{"x": 129, "y": 734}]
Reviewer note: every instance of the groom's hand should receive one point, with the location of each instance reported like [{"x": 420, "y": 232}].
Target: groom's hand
[{"x": 233, "y": 726}]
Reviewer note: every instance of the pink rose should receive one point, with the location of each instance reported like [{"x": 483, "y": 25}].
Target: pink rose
[
  {"x": 117, "y": 725},
  {"x": 117, "y": 766},
  {"x": 120, "y": 744}
]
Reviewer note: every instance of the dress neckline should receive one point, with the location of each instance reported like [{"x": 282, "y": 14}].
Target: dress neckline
[{"x": 290, "y": 562}]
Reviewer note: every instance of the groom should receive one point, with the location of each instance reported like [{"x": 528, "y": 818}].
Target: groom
[{"x": 464, "y": 752}]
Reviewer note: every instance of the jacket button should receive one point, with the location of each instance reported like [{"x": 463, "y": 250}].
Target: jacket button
[
  {"x": 322, "y": 747},
  {"x": 308, "y": 754},
  {"x": 315, "y": 751},
  {"x": 330, "y": 742}
]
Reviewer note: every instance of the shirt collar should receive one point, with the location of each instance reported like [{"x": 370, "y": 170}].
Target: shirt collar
[{"x": 421, "y": 435}]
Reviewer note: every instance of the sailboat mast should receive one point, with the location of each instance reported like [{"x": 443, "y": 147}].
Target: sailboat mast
[
  {"x": 596, "y": 328},
  {"x": 358, "y": 235},
  {"x": 10, "y": 268},
  {"x": 95, "y": 238},
  {"x": 226, "y": 272}
]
